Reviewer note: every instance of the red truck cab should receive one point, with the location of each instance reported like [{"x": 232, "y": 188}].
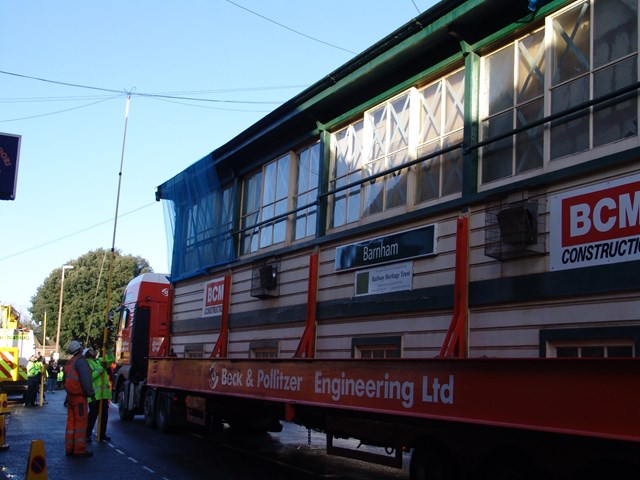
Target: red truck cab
[{"x": 143, "y": 328}]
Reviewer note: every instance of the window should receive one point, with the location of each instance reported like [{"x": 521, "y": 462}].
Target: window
[
  {"x": 263, "y": 349},
  {"x": 441, "y": 126},
  {"x": 250, "y": 213},
  {"x": 265, "y": 196},
  {"x": 594, "y": 350},
  {"x": 515, "y": 97},
  {"x": 596, "y": 342},
  {"x": 207, "y": 226},
  {"x": 584, "y": 52},
  {"x": 306, "y": 191},
  {"x": 594, "y": 53},
  {"x": 195, "y": 350},
  {"x": 414, "y": 124},
  {"x": 376, "y": 347},
  {"x": 270, "y": 196},
  {"x": 347, "y": 169},
  {"x": 275, "y": 193},
  {"x": 387, "y": 129}
]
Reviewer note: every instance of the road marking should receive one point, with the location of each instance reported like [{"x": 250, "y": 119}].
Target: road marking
[{"x": 148, "y": 469}]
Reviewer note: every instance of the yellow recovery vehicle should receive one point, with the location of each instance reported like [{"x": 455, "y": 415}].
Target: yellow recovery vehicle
[{"x": 17, "y": 344}]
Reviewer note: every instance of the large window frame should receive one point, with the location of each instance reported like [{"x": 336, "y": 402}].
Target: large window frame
[
  {"x": 418, "y": 122},
  {"x": 208, "y": 227},
  {"x": 590, "y": 342},
  {"x": 279, "y": 201},
  {"x": 583, "y": 52}
]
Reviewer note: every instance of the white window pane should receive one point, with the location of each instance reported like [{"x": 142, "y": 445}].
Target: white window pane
[
  {"x": 530, "y": 67},
  {"x": 454, "y": 102},
  {"x": 497, "y": 157},
  {"x": 619, "y": 120},
  {"x": 499, "y": 74},
  {"x": 571, "y": 44},
  {"x": 529, "y": 146},
  {"x": 430, "y": 117},
  {"x": 282, "y": 189},
  {"x": 269, "y": 192},
  {"x": 570, "y": 135},
  {"x": 615, "y": 30}
]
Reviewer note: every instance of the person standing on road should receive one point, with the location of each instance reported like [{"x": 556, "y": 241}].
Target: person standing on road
[
  {"x": 34, "y": 372},
  {"x": 77, "y": 383},
  {"x": 102, "y": 386},
  {"x": 52, "y": 375}
]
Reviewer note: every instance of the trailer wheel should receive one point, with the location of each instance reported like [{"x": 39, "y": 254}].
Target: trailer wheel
[
  {"x": 125, "y": 415},
  {"x": 430, "y": 461},
  {"x": 149, "y": 408},
  {"x": 163, "y": 412}
]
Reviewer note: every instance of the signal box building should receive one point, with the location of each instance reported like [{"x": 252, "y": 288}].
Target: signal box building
[{"x": 477, "y": 168}]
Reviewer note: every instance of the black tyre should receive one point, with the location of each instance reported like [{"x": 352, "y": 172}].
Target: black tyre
[
  {"x": 125, "y": 415},
  {"x": 150, "y": 408},
  {"x": 163, "y": 412}
]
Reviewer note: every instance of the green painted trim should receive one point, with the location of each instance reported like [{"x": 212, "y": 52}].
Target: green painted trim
[
  {"x": 471, "y": 123},
  {"x": 205, "y": 324},
  {"x": 413, "y": 301},
  {"x": 323, "y": 183},
  {"x": 598, "y": 280},
  {"x": 269, "y": 316},
  {"x": 421, "y": 78}
]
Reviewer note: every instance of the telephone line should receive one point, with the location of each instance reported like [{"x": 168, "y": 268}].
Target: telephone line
[
  {"x": 77, "y": 232},
  {"x": 131, "y": 92}
]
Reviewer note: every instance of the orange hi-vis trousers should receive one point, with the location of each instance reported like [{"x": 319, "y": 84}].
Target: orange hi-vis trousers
[{"x": 75, "y": 438}]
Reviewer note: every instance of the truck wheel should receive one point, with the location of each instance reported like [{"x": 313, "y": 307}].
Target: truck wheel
[
  {"x": 150, "y": 409},
  {"x": 163, "y": 412},
  {"x": 429, "y": 461},
  {"x": 125, "y": 415}
]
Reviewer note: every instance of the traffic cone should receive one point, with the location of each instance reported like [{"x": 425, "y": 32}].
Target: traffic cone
[
  {"x": 3, "y": 434},
  {"x": 37, "y": 468},
  {"x": 4, "y": 404}
]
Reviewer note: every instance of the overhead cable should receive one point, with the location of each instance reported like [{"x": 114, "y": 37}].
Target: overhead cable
[
  {"x": 291, "y": 29},
  {"x": 139, "y": 94},
  {"x": 59, "y": 111}
]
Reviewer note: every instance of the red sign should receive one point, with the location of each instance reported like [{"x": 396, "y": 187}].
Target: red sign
[
  {"x": 601, "y": 215},
  {"x": 596, "y": 225},
  {"x": 213, "y": 298}
]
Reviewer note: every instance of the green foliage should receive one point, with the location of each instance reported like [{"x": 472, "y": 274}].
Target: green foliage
[{"x": 85, "y": 292}]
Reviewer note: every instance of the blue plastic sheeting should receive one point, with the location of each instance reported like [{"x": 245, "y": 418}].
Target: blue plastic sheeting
[{"x": 199, "y": 221}]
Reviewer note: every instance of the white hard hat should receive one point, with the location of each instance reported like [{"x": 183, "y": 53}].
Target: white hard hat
[{"x": 74, "y": 347}]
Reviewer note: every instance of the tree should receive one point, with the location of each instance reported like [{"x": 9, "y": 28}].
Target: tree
[{"x": 85, "y": 295}]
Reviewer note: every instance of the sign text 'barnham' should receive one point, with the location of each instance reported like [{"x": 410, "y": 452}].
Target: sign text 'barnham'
[{"x": 395, "y": 247}]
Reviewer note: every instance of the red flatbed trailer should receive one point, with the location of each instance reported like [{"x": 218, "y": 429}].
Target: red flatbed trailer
[
  {"x": 476, "y": 418},
  {"x": 590, "y": 397}
]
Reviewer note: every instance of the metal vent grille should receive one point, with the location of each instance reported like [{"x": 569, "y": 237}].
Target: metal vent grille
[
  {"x": 514, "y": 230},
  {"x": 264, "y": 280}
]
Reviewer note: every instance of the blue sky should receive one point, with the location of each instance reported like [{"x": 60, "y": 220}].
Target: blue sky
[{"x": 240, "y": 59}]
